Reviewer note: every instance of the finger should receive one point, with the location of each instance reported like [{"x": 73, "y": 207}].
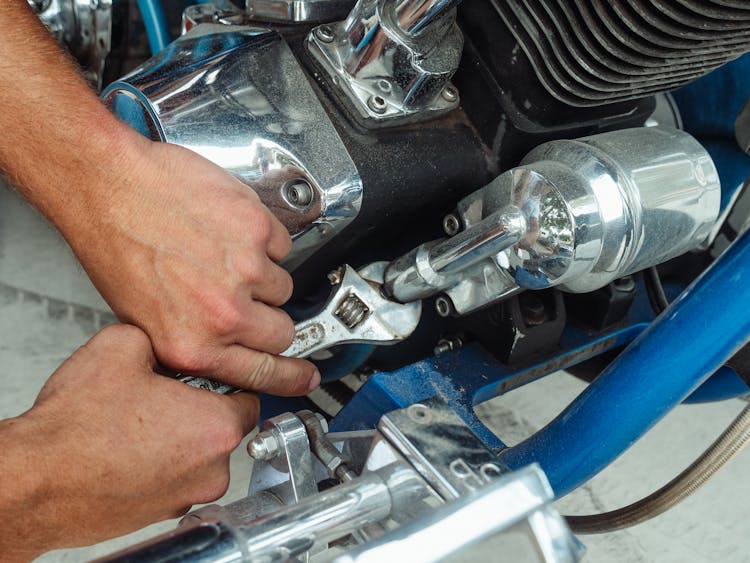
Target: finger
[
  {"x": 248, "y": 410},
  {"x": 279, "y": 242},
  {"x": 264, "y": 328},
  {"x": 259, "y": 371},
  {"x": 273, "y": 286}
]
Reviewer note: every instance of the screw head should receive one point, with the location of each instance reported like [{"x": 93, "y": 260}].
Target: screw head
[
  {"x": 384, "y": 85},
  {"x": 444, "y": 306},
  {"x": 451, "y": 224},
  {"x": 325, "y": 33},
  {"x": 449, "y": 94},
  {"x": 377, "y": 104},
  {"x": 298, "y": 194}
]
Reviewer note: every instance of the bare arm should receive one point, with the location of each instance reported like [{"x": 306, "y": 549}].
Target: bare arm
[
  {"x": 110, "y": 446},
  {"x": 174, "y": 244}
]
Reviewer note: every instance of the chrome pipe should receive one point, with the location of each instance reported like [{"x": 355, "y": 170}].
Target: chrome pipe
[
  {"x": 415, "y": 16},
  {"x": 433, "y": 267},
  {"x": 275, "y": 537}
]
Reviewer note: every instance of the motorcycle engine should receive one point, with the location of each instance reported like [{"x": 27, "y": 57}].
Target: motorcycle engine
[{"x": 374, "y": 129}]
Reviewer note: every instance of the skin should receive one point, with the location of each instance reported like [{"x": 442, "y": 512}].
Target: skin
[
  {"x": 106, "y": 451},
  {"x": 179, "y": 249}
]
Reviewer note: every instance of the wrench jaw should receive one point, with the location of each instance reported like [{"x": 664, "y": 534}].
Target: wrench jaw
[{"x": 356, "y": 313}]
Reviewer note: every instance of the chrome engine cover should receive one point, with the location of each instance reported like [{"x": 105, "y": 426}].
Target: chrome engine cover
[{"x": 237, "y": 96}]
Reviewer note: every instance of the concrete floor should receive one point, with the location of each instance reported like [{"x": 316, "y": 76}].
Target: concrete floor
[{"x": 48, "y": 308}]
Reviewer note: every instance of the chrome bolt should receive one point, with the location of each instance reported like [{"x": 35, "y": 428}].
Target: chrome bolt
[
  {"x": 384, "y": 85},
  {"x": 298, "y": 194},
  {"x": 450, "y": 94},
  {"x": 377, "y": 104},
  {"x": 325, "y": 34},
  {"x": 265, "y": 446},
  {"x": 451, "y": 224},
  {"x": 444, "y": 306}
]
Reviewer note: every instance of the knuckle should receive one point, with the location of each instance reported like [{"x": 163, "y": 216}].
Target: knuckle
[
  {"x": 223, "y": 318},
  {"x": 286, "y": 286},
  {"x": 262, "y": 224},
  {"x": 283, "y": 334},
  {"x": 249, "y": 268}
]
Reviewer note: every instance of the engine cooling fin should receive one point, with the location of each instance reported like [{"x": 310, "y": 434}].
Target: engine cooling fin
[{"x": 595, "y": 52}]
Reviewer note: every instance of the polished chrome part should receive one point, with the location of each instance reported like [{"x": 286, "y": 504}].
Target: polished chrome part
[
  {"x": 217, "y": 12},
  {"x": 264, "y": 446},
  {"x": 485, "y": 522},
  {"x": 441, "y": 265},
  {"x": 441, "y": 448},
  {"x": 288, "y": 474},
  {"x": 422, "y": 473},
  {"x": 298, "y": 11},
  {"x": 237, "y": 96},
  {"x": 356, "y": 312},
  {"x": 657, "y": 192},
  {"x": 83, "y": 26},
  {"x": 392, "y": 60},
  {"x": 575, "y": 214}
]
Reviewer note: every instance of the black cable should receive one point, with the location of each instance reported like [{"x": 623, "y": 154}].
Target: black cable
[{"x": 655, "y": 290}]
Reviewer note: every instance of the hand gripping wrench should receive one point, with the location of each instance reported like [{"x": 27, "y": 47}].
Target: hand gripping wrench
[{"x": 356, "y": 312}]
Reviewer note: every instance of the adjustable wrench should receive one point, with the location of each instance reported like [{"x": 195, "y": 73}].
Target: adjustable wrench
[{"x": 356, "y": 312}]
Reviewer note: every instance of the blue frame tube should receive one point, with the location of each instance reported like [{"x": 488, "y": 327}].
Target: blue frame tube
[
  {"x": 707, "y": 323},
  {"x": 155, "y": 22}
]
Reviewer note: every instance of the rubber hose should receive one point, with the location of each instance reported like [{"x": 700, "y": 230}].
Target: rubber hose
[{"x": 728, "y": 445}]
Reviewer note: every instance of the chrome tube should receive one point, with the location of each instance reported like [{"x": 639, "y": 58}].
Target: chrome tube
[
  {"x": 415, "y": 16},
  {"x": 434, "y": 267},
  {"x": 275, "y": 537},
  {"x": 580, "y": 214},
  {"x": 318, "y": 519}
]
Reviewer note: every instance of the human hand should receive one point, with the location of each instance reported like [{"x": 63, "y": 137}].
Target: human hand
[
  {"x": 188, "y": 253},
  {"x": 110, "y": 446}
]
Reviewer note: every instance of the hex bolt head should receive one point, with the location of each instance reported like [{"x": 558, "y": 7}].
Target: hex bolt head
[
  {"x": 451, "y": 224},
  {"x": 325, "y": 34},
  {"x": 377, "y": 104},
  {"x": 265, "y": 446},
  {"x": 449, "y": 94}
]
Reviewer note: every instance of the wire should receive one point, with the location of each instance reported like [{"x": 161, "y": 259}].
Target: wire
[
  {"x": 655, "y": 290},
  {"x": 728, "y": 445}
]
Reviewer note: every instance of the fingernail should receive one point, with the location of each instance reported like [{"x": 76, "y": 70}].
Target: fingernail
[{"x": 314, "y": 381}]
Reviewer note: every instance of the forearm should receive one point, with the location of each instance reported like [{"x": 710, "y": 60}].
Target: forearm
[
  {"x": 26, "y": 527},
  {"x": 58, "y": 142}
]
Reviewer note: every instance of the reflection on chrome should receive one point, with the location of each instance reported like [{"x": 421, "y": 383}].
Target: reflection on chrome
[{"x": 237, "y": 96}]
